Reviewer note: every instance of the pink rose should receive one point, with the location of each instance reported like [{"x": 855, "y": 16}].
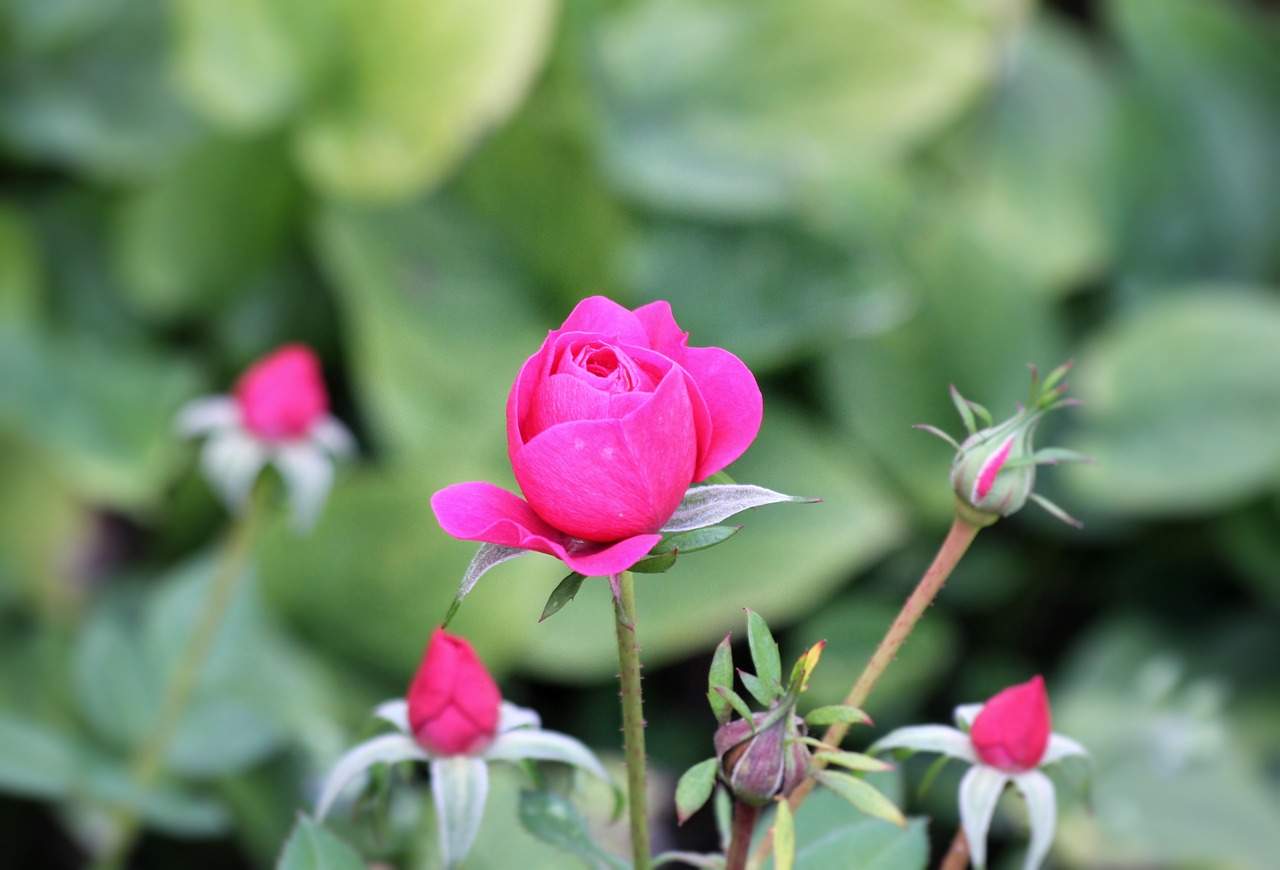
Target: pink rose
[
  {"x": 608, "y": 424},
  {"x": 282, "y": 395},
  {"x": 453, "y": 702},
  {"x": 1011, "y": 732}
]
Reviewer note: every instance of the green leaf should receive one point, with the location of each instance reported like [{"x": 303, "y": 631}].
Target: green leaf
[
  {"x": 311, "y": 847},
  {"x": 721, "y": 674},
  {"x": 735, "y": 701},
  {"x": 655, "y": 564},
  {"x": 863, "y": 796},
  {"x": 836, "y": 713},
  {"x": 431, "y": 80},
  {"x": 564, "y": 592},
  {"x": 694, "y": 788},
  {"x": 763, "y": 694},
  {"x": 826, "y": 839},
  {"x": 35, "y": 760},
  {"x": 693, "y": 540},
  {"x": 784, "y": 837},
  {"x": 854, "y": 761},
  {"x": 1178, "y": 405},
  {"x": 553, "y": 819},
  {"x": 765, "y": 656}
]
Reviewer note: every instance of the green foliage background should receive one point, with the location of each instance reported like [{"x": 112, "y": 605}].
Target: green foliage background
[{"x": 866, "y": 201}]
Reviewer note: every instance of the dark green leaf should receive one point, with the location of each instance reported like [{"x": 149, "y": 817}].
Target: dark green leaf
[
  {"x": 763, "y": 694},
  {"x": 312, "y": 847},
  {"x": 562, "y": 595},
  {"x": 694, "y": 540},
  {"x": 553, "y": 819},
  {"x": 654, "y": 564},
  {"x": 721, "y": 674}
]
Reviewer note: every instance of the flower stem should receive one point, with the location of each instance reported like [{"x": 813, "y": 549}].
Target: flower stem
[
  {"x": 744, "y": 825},
  {"x": 957, "y": 857},
  {"x": 148, "y": 761},
  {"x": 624, "y": 609},
  {"x": 958, "y": 539}
]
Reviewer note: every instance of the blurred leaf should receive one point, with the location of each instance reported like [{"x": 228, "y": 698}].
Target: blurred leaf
[
  {"x": 1199, "y": 198},
  {"x": 737, "y": 108},
  {"x": 726, "y": 284},
  {"x": 311, "y": 847},
  {"x": 249, "y": 63},
  {"x": 22, "y": 277},
  {"x": 102, "y": 103},
  {"x": 211, "y": 221},
  {"x": 556, "y": 821},
  {"x": 424, "y": 81},
  {"x": 826, "y": 839},
  {"x": 102, "y": 414},
  {"x": 166, "y": 807},
  {"x": 36, "y": 761},
  {"x": 1026, "y": 176},
  {"x": 787, "y": 558},
  {"x": 39, "y": 25},
  {"x": 1180, "y": 404}
]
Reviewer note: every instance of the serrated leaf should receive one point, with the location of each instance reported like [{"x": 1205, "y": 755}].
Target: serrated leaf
[
  {"x": 765, "y": 655},
  {"x": 720, "y": 674},
  {"x": 311, "y": 847},
  {"x": 694, "y": 788},
  {"x": 553, "y": 819},
  {"x": 564, "y": 592},
  {"x": 836, "y": 713},
  {"x": 863, "y": 796}
]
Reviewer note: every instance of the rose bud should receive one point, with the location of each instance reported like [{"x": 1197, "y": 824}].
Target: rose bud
[
  {"x": 772, "y": 762},
  {"x": 453, "y": 702},
  {"x": 282, "y": 395},
  {"x": 1011, "y": 732}
]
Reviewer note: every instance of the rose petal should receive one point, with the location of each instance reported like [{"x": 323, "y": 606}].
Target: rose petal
[
  {"x": 604, "y": 480},
  {"x": 483, "y": 512},
  {"x": 733, "y": 400},
  {"x": 665, "y": 335},
  {"x": 606, "y": 318}
]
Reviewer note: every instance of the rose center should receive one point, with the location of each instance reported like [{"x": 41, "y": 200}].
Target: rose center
[{"x": 609, "y": 369}]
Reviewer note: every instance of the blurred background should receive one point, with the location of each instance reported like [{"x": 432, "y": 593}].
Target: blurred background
[{"x": 866, "y": 201}]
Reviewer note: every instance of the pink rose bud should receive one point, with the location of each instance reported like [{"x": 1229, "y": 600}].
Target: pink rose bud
[
  {"x": 453, "y": 702},
  {"x": 770, "y": 763},
  {"x": 282, "y": 395},
  {"x": 1012, "y": 730}
]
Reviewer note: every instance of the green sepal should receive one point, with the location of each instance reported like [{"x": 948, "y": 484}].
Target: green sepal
[
  {"x": 564, "y": 592},
  {"x": 966, "y": 413},
  {"x": 853, "y": 761},
  {"x": 659, "y": 564},
  {"x": 721, "y": 674},
  {"x": 757, "y": 688},
  {"x": 693, "y": 540},
  {"x": 765, "y": 656},
  {"x": 836, "y": 713},
  {"x": 695, "y": 787},
  {"x": 735, "y": 701},
  {"x": 863, "y": 796}
]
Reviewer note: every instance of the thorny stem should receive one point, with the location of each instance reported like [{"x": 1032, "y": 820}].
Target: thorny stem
[
  {"x": 744, "y": 825},
  {"x": 624, "y": 609},
  {"x": 148, "y": 762},
  {"x": 957, "y": 857},
  {"x": 958, "y": 539}
]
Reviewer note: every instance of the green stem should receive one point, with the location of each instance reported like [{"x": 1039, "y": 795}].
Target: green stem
[
  {"x": 148, "y": 762},
  {"x": 958, "y": 539},
  {"x": 744, "y": 825},
  {"x": 624, "y": 608}
]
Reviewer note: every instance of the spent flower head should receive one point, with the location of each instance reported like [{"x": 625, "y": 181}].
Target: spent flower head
[
  {"x": 1006, "y": 740},
  {"x": 994, "y": 470},
  {"x": 455, "y": 720},
  {"x": 277, "y": 414}
]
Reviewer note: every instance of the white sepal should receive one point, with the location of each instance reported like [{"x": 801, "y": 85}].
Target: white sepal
[
  {"x": 980, "y": 789},
  {"x": 525, "y": 743},
  {"x": 330, "y": 433},
  {"x": 486, "y": 557},
  {"x": 966, "y": 713},
  {"x": 928, "y": 738},
  {"x": 1042, "y": 811},
  {"x": 395, "y": 711},
  {"x": 511, "y": 717},
  {"x": 704, "y": 506},
  {"x": 386, "y": 749},
  {"x": 308, "y": 476},
  {"x": 208, "y": 414},
  {"x": 1062, "y": 747},
  {"x": 459, "y": 786},
  {"x": 231, "y": 461}
]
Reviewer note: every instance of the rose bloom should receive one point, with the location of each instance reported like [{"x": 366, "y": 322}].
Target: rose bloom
[{"x": 608, "y": 425}]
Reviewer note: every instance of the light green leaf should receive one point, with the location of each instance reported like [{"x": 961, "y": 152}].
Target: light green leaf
[
  {"x": 35, "y": 760},
  {"x": 694, "y": 788},
  {"x": 784, "y": 837},
  {"x": 562, "y": 595},
  {"x": 826, "y": 838},
  {"x": 863, "y": 796},
  {"x": 764, "y": 655},
  {"x": 720, "y": 674},
  {"x": 427, "y": 79},
  {"x": 834, "y": 713},
  {"x": 554, "y": 820},
  {"x": 311, "y": 847}
]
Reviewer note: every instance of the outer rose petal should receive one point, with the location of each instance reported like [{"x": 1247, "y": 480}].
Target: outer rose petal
[
  {"x": 603, "y": 480},
  {"x": 734, "y": 401},
  {"x": 1011, "y": 732},
  {"x": 606, "y": 318},
  {"x": 665, "y": 335},
  {"x": 483, "y": 512},
  {"x": 453, "y": 701}
]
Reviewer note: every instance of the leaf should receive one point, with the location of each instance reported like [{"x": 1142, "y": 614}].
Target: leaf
[
  {"x": 720, "y": 674},
  {"x": 704, "y": 505},
  {"x": 432, "y": 78},
  {"x": 694, "y": 540},
  {"x": 654, "y": 564},
  {"x": 784, "y": 836},
  {"x": 855, "y": 761},
  {"x": 694, "y": 788},
  {"x": 734, "y": 700},
  {"x": 863, "y": 796},
  {"x": 826, "y": 839},
  {"x": 564, "y": 592},
  {"x": 765, "y": 656},
  {"x": 836, "y": 713},
  {"x": 35, "y": 760},
  {"x": 1185, "y": 430},
  {"x": 311, "y": 847},
  {"x": 554, "y": 820},
  {"x": 763, "y": 694}
]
